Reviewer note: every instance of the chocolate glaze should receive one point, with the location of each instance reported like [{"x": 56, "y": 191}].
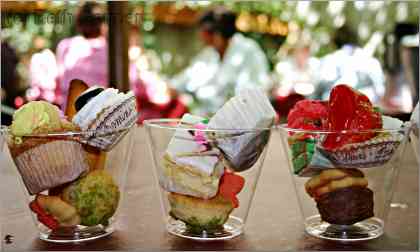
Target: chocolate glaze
[{"x": 86, "y": 96}]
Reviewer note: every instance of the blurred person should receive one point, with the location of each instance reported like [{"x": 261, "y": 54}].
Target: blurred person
[
  {"x": 42, "y": 73},
  {"x": 143, "y": 58},
  {"x": 154, "y": 98},
  {"x": 401, "y": 61},
  {"x": 299, "y": 71},
  {"x": 351, "y": 65},
  {"x": 84, "y": 56},
  {"x": 297, "y": 75},
  {"x": 9, "y": 80},
  {"x": 228, "y": 63}
]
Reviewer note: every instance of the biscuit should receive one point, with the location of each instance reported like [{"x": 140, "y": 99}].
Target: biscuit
[{"x": 333, "y": 179}]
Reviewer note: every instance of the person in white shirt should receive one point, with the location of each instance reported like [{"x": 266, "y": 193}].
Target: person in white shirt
[
  {"x": 298, "y": 71},
  {"x": 353, "y": 66},
  {"x": 229, "y": 62}
]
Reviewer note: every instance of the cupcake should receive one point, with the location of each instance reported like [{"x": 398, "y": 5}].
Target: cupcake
[
  {"x": 342, "y": 196},
  {"x": 199, "y": 214},
  {"x": 207, "y": 214},
  {"x": 44, "y": 162},
  {"x": 105, "y": 110}
]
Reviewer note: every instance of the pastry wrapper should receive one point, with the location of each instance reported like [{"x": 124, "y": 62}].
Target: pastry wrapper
[
  {"x": 374, "y": 152},
  {"x": 51, "y": 164},
  {"x": 115, "y": 120},
  {"x": 243, "y": 150},
  {"x": 250, "y": 109}
]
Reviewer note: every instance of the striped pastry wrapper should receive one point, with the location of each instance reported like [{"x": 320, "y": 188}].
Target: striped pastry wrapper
[
  {"x": 51, "y": 164},
  {"x": 242, "y": 150},
  {"x": 374, "y": 152},
  {"x": 112, "y": 124}
]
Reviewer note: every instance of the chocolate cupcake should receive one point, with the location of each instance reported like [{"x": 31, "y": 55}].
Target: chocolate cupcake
[
  {"x": 341, "y": 196},
  {"x": 346, "y": 206}
]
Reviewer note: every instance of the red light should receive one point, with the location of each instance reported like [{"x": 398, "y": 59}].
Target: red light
[{"x": 18, "y": 101}]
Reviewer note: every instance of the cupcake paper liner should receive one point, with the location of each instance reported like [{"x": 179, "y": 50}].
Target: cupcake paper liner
[
  {"x": 309, "y": 158},
  {"x": 374, "y": 152},
  {"x": 51, "y": 164},
  {"x": 112, "y": 119}
]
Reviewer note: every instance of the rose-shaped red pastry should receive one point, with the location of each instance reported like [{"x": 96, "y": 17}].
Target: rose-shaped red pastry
[
  {"x": 308, "y": 115},
  {"x": 349, "y": 109}
]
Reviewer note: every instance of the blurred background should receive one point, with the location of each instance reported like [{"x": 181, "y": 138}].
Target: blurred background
[{"x": 182, "y": 56}]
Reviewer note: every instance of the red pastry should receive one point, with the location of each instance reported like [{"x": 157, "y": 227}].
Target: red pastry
[
  {"x": 42, "y": 216},
  {"x": 308, "y": 115},
  {"x": 230, "y": 185},
  {"x": 349, "y": 109}
]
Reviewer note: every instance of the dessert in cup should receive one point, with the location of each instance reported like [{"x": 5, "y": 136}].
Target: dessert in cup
[
  {"x": 343, "y": 156},
  {"x": 67, "y": 163},
  {"x": 207, "y": 169}
]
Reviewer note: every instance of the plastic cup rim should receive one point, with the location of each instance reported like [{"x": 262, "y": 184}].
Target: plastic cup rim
[
  {"x": 4, "y": 130},
  {"x": 162, "y": 123},
  {"x": 284, "y": 127}
]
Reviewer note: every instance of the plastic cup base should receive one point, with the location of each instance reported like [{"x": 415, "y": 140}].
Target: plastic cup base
[
  {"x": 232, "y": 228},
  {"x": 76, "y": 234},
  {"x": 361, "y": 231}
]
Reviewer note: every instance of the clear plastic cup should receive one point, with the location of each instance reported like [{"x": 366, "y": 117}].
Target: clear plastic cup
[
  {"x": 3, "y": 130},
  {"x": 414, "y": 138},
  {"x": 74, "y": 181},
  {"x": 344, "y": 190},
  {"x": 2, "y": 133},
  {"x": 199, "y": 217}
]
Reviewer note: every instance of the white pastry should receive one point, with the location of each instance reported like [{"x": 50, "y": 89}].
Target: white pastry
[
  {"x": 187, "y": 167},
  {"x": 391, "y": 122},
  {"x": 106, "y": 116},
  {"x": 182, "y": 143},
  {"x": 89, "y": 112},
  {"x": 250, "y": 109}
]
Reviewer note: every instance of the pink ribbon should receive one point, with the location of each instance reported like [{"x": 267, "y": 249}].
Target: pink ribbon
[{"x": 199, "y": 136}]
